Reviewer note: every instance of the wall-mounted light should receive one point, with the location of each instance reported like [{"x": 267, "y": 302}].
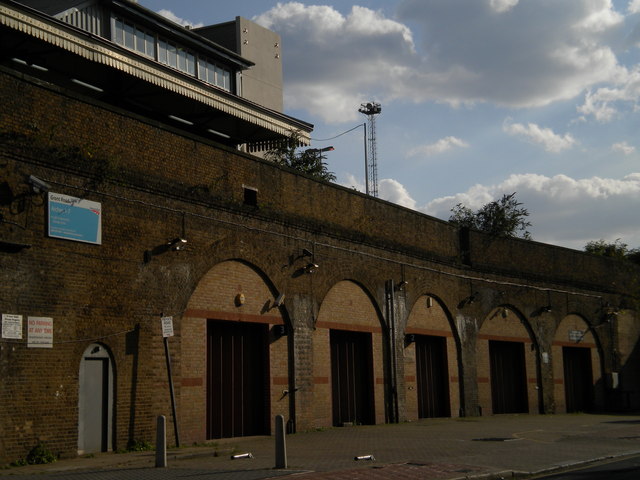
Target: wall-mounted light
[
  {"x": 504, "y": 312},
  {"x": 470, "y": 300},
  {"x": 402, "y": 285},
  {"x": 429, "y": 302},
  {"x": 547, "y": 309},
  {"x": 86, "y": 85},
  {"x": 239, "y": 299},
  {"x": 180, "y": 120},
  {"x": 177, "y": 244},
  {"x": 311, "y": 268},
  {"x": 39, "y": 186},
  {"x": 279, "y": 300}
]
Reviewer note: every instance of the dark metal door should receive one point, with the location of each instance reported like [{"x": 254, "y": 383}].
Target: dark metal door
[
  {"x": 508, "y": 377},
  {"x": 237, "y": 379},
  {"x": 432, "y": 377},
  {"x": 352, "y": 378},
  {"x": 578, "y": 379}
]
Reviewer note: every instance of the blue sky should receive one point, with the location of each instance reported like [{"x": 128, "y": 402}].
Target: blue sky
[{"x": 479, "y": 98}]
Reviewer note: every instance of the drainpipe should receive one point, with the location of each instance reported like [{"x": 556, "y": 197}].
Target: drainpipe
[{"x": 393, "y": 377}]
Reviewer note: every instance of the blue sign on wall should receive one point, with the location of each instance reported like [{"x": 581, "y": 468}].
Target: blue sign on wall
[{"x": 74, "y": 218}]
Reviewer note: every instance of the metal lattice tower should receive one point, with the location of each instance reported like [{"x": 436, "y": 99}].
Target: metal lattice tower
[{"x": 371, "y": 109}]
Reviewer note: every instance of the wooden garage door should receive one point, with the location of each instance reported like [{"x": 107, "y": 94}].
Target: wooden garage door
[
  {"x": 237, "y": 379},
  {"x": 508, "y": 377},
  {"x": 432, "y": 377},
  {"x": 352, "y": 378},
  {"x": 578, "y": 379}
]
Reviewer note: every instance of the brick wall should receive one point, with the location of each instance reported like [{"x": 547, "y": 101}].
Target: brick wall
[{"x": 156, "y": 183}]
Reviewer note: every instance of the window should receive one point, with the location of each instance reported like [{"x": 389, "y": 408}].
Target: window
[
  {"x": 214, "y": 74},
  {"x": 250, "y": 196},
  {"x": 176, "y": 56},
  {"x": 169, "y": 53},
  {"x": 133, "y": 38}
]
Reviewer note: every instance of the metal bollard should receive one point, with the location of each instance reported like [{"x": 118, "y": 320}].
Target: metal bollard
[
  {"x": 161, "y": 442},
  {"x": 281, "y": 444}
]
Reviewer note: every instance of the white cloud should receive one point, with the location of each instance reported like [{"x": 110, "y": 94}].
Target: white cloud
[
  {"x": 532, "y": 53},
  {"x": 502, "y": 6},
  {"x": 180, "y": 21},
  {"x": 334, "y": 62},
  {"x": 603, "y": 104},
  {"x": 354, "y": 182},
  {"x": 543, "y": 51},
  {"x": 393, "y": 191},
  {"x": 550, "y": 141},
  {"x": 563, "y": 211},
  {"x": 388, "y": 189},
  {"x": 603, "y": 17},
  {"x": 634, "y": 6},
  {"x": 623, "y": 147},
  {"x": 441, "y": 146}
]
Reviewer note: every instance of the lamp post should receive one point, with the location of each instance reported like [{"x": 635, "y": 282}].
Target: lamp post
[
  {"x": 316, "y": 154},
  {"x": 320, "y": 151}
]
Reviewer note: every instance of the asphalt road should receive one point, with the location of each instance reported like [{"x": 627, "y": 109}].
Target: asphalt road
[{"x": 626, "y": 469}]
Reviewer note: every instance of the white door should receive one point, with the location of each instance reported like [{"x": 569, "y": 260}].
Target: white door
[{"x": 95, "y": 406}]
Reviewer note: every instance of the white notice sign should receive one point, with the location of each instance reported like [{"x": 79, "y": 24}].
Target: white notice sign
[
  {"x": 167, "y": 326},
  {"x": 11, "y": 326},
  {"x": 576, "y": 335},
  {"x": 40, "y": 332}
]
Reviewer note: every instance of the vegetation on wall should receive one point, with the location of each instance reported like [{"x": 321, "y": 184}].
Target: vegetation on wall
[
  {"x": 501, "y": 218},
  {"x": 309, "y": 161},
  {"x": 615, "y": 249}
]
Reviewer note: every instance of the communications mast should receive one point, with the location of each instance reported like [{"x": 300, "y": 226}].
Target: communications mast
[{"x": 371, "y": 109}]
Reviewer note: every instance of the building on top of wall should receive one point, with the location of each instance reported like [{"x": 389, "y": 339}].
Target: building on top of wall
[
  {"x": 223, "y": 82},
  {"x": 129, "y": 218}
]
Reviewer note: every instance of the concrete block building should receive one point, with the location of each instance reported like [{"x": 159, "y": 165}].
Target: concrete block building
[{"x": 133, "y": 206}]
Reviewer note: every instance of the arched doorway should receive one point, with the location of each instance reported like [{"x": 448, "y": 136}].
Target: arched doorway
[
  {"x": 507, "y": 368},
  {"x": 576, "y": 366},
  {"x": 95, "y": 405},
  {"x": 431, "y": 361},
  {"x": 348, "y": 367},
  {"x": 235, "y": 362}
]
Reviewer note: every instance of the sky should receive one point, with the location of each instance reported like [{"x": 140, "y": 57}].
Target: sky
[{"x": 480, "y": 98}]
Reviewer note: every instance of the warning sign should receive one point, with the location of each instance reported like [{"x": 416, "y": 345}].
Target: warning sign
[
  {"x": 40, "y": 332},
  {"x": 167, "y": 326}
]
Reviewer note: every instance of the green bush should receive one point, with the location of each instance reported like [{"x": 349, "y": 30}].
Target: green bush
[{"x": 38, "y": 455}]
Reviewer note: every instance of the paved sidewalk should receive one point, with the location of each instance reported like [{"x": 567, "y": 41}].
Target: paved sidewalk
[{"x": 484, "y": 447}]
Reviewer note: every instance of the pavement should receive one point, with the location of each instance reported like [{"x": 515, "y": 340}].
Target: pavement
[{"x": 493, "y": 447}]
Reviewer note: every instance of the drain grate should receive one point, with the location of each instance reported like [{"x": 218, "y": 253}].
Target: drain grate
[{"x": 494, "y": 439}]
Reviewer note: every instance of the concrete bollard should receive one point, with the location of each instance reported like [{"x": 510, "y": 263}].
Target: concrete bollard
[
  {"x": 161, "y": 442},
  {"x": 281, "y": 444}
]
